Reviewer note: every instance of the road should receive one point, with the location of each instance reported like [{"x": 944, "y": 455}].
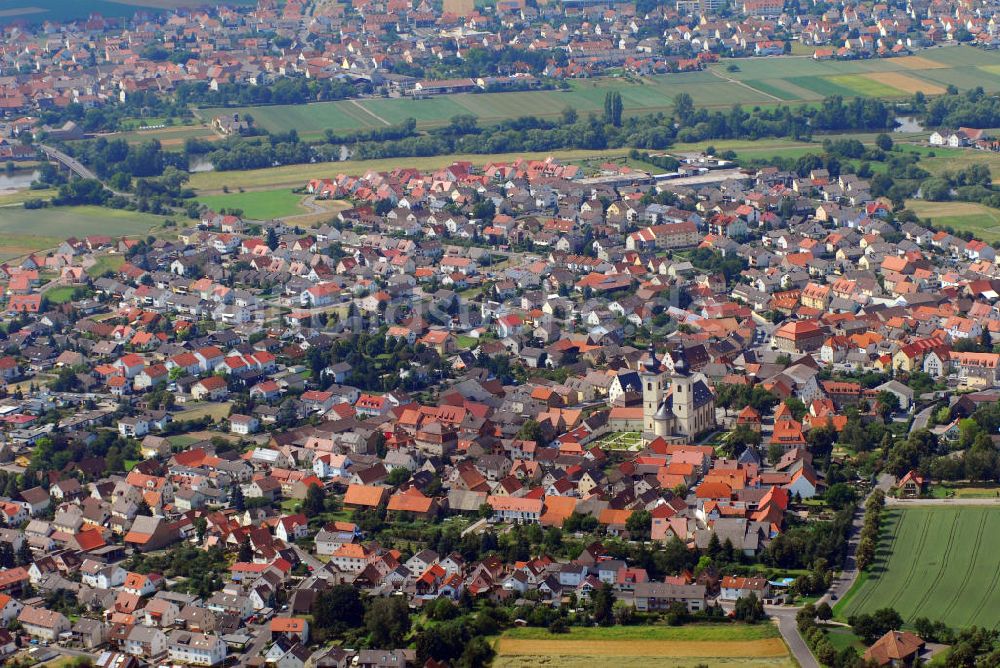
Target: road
[
  {"x": 790, "y": 632},
  {"x": 70, "y": 163},
  {"x": 74, "y": 166},
  {"x": 784, "y": 616},
  {"x": 308, "y": 559},
  {"x": 849, "y": 573},
  {"x": 921, "y": 419}
]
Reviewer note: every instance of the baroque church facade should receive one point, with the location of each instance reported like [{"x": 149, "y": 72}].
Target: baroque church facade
[{"x": 676, "y": 403}]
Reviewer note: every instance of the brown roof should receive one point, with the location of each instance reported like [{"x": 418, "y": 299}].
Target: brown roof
[
  {"x": 365, "y": 495},
  {"x": 894, "y": 646}
]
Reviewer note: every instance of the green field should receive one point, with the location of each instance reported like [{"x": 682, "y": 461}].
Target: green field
[
  {"x": 260, "y": 205},
  {"x": 36, "y": 11},
  {"x": 758, "y": 81},
  {"x": 982, "y": 221},
  {"x": 104, "y": 264},
  {"x": 717, "y": 646},
  {"x": 938, "y": 562},
  {"x": 61, "y": 294},
  {"x": 25, "y": 231}
]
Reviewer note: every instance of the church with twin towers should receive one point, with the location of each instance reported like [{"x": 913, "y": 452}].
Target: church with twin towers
[{"x": 677, "y": 403}]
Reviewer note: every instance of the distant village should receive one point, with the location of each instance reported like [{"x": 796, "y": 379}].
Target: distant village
[{"x": 97, "y": 61}]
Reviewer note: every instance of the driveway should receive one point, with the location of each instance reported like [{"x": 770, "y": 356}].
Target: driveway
[{"x": 308, "y": 559}]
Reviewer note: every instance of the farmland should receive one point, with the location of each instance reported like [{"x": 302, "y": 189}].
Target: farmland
[
  {"x": 61, "y": 10},
  {"x": 981, "y": 220},
  {"x": 755, "y": 81},
  {"x": 261, "y": 205},
  {"x": 170, "y": 137},
  {"x": 25, "y": 231},
  {"x": 712, "y": 645},
  {"x": 935, "y": 561}
]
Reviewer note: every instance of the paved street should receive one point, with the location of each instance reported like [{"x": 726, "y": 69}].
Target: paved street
[
  {"x": 790, "y": 632},
  {"x": 921, "y": 419},
  {"x": 308, "y": 559}
]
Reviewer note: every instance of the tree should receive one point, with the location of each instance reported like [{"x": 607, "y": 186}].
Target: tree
[
  {"x": 7, "y": 555},
  {"x": 774, "y": 453},
  {"x": 749, "y": 609},
  {"x": 613, "y": 108},
  {"x": 714, "y": 549},
  {"x": 388, "y": 621},
  {"x": 24, "y": 555},
  {"x": 841, "y": 495},
  {"x": 604, "y": 601},
  {"x": 398, "y": 476},
  {"x": 884, "y": 141},
  {"x": 315, "y": 501},
  {"x": 477, "y": 653},
  {"x": 888, "y": 404},
  {"x": 272, "y": 238},
  {"x": 239, "y": 502},
  {"x": 824, "y": 611},
  {"x": 200, "y": 527},
  {"x": 821, "y": 440},
  {"x": 338, "y": 609},
  {"x": 531, "y": 430},
  {"x": 872, "y": 627},
  {"x": 639, "y": 523},
  {"x": 796, "y": 407},
  {"x": 245, "y": 552},
  {"x": 684, "y": 107}
]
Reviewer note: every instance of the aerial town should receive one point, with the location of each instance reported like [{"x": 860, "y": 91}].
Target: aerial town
[{"x": 316, "y": 351}]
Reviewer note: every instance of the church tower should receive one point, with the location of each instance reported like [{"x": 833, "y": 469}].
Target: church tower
[
  {"x": 682, "y": 385},
  {"x": 654, "y": 381}
]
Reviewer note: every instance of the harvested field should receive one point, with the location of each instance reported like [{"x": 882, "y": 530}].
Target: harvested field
[
  {"x": 637, "y": 662},
  {"x": 771, "y": 647},
  {"x": 919, "y": 63},
  {"x": 906, "y": 83},
  {"x": 714, "y": 645}
]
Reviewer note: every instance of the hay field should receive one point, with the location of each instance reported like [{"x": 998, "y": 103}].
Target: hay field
[
  {"x": 906, "y": 83},
  {"x": 716, "y": 645}
]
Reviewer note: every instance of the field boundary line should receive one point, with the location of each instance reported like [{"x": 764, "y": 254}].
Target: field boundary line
[
  {"x": 917, "y": 552},
  {"x": 968, "y": 572},
  {"x": 370, "y": 112},
  {"x": 942, "y": 567},
  {"x": 988, "y": 593},
  {"x": 747, "y": 86}
]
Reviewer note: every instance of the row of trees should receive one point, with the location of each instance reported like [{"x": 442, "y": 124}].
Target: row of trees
[{"x": 865, "y": 554}]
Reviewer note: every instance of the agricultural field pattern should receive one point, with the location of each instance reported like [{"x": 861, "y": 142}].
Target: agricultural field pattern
[
  {"x": 756, "y": 81},
  {"x": 936, "y": 562}
]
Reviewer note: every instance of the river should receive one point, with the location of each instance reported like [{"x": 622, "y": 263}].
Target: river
[{"x": 20, "y": 180}]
